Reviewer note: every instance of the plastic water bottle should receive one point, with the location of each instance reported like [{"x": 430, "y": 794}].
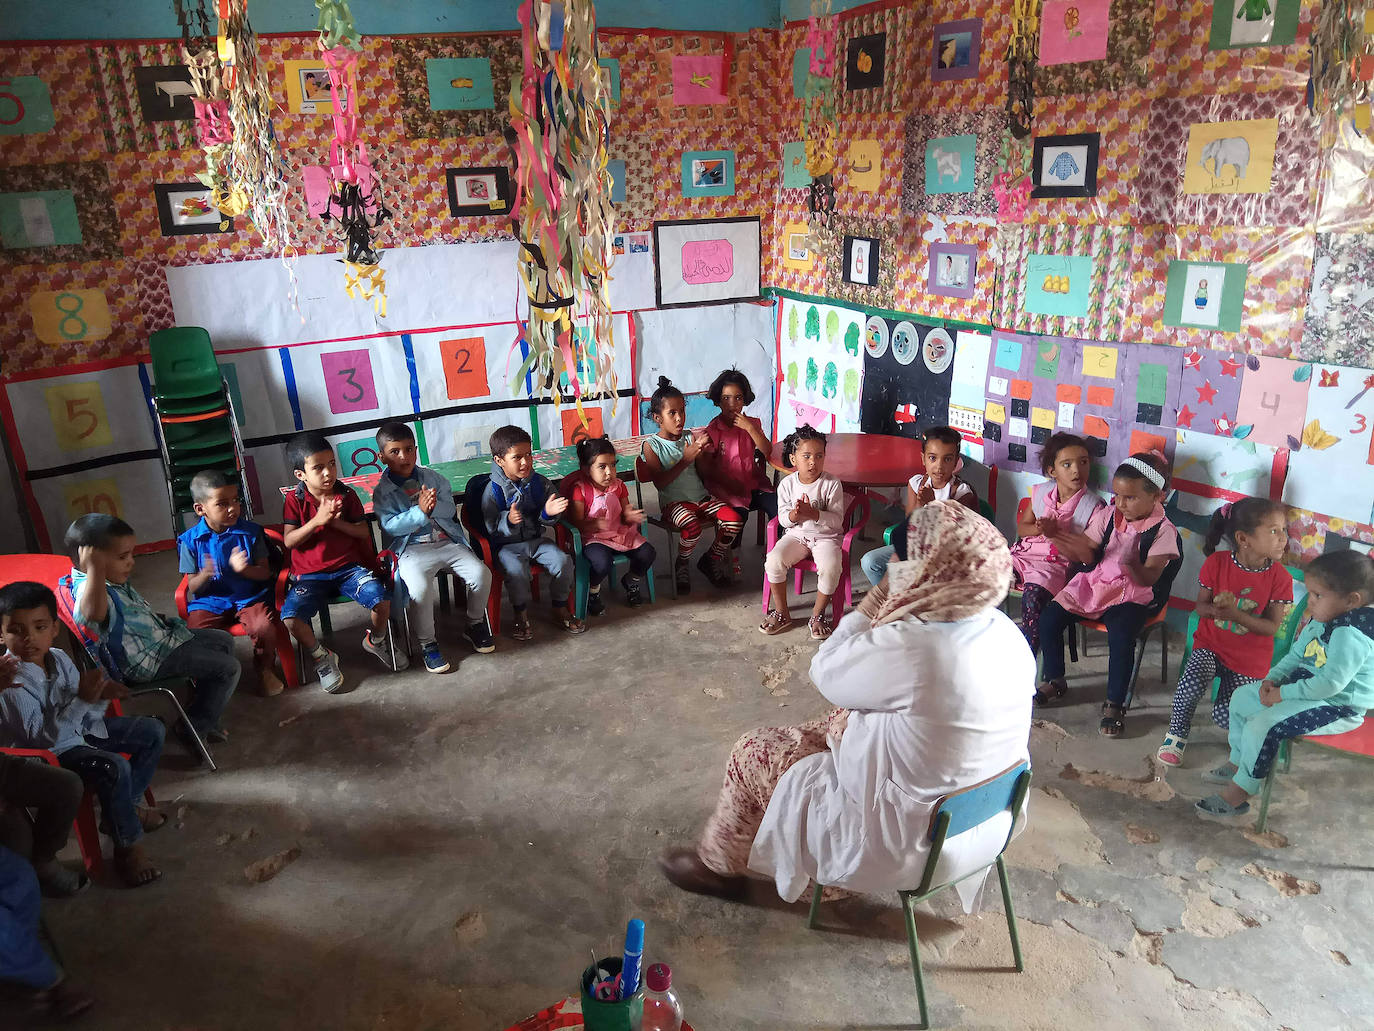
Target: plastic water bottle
[{"x": 662, "y": 1011}]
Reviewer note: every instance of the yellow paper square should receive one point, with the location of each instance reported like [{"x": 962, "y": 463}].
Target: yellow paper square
[
  {"x": 865, "y": 165},
  {"x": 78, "y": 416},
  {"x": 60, "y": 316},
  {"x": 1042, "y": 417},
  {"x": 87, "y": 496},
  {"x": 995, "y": 412},
  {"x": 796, "y": 246},
  {"x": 1100, "y": 361},
  {"x": 1231, "y": 157},
  {"x": 307, "y": 88}
]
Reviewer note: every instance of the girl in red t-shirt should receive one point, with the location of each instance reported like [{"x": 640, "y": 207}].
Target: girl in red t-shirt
[{"x": 1243, "y": 596}]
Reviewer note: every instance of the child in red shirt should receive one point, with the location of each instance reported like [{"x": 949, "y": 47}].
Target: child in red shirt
[
  {"x": 1243, "y": 597},
  {"x": 324, "y": 527}
]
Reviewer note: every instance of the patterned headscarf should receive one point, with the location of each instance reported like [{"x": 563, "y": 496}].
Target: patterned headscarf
[{"x": 959, "y": 566}]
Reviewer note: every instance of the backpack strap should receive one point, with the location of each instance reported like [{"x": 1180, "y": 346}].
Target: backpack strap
[
  {"x": 1040, "y": 498},
  {"x": 1088, "y": 502}
]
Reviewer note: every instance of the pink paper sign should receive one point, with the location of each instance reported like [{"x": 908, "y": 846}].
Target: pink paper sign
[
  {"x": 317, "y": 189},
  {"x": 816, "y": 417},
  {"x": 1273, "y": 399},
  {"x": 348, "y": 381},
  {"x": 1074, "y": 30},
  {"x": 698, "y": 80},
  {"x": 707, "y": 261}
]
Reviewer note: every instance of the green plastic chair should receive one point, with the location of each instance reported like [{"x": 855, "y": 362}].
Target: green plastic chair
[
  {"x": 955, "y": 813},
  {"x": 984, "y": 510},
  {"x": 1283, "y": 640},
  {"x": 184, "y": 364},
  {"x": 195, "y": 436},
  {"x": 582, "y": 588}
]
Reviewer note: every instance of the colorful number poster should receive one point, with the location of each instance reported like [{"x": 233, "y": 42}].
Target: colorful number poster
[
  {"x": 1151, "y": 378},
  {"x": 907, "y": 388},
  {"x": 1273, "y": 399},
  {"x": 1330, "y": 472},
  {"x": 820, "y": 357},
  {"x": 1210, "y": 470},
  {"x": 1210, "y": 392}
]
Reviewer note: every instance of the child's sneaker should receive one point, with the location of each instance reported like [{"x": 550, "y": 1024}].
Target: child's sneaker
[
  {"x": 821, "y": 627},
  {"x": 1171, "y": 752},
  {"x": 633, "y": 596},
  {"x": 327, "y": 669},
  {"x": 434, "y": 658},
  {"x": 682, "y": 577},
  {"x": 595, "y": 606},
  {"x": 520, "y": 628},
  {"x": 479, "y": 636},
  {"x": 391, "y": 657},
  {"x": 714, "y": 570},
  {"x": 565, "y": 620}
]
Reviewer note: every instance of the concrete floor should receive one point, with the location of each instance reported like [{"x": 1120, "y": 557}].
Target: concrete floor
[{"x": 466, "y": 840}]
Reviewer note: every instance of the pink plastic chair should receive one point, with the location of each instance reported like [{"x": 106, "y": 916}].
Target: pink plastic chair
[{"x": 855, "y": 515}]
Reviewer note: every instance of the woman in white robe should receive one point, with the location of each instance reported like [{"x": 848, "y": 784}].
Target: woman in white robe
[{"x": 935, "y": 687}]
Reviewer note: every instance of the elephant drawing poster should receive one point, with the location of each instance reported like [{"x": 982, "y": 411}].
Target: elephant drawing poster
[
  {"x": 1231, "y": 157},
  {"x": 906, "y": 388}
]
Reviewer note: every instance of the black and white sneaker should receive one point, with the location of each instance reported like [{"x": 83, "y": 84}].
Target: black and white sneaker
[
  {"x": 479, "y": 636},
  {"x": 633, "y": 596},
  {"x": 595, "y": 606}
]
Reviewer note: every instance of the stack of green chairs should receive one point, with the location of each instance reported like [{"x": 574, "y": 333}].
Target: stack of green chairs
[{"x": 196, "y": 423}]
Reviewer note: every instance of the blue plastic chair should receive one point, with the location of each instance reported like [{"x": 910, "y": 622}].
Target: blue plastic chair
[{"x": 955, "y": 813}]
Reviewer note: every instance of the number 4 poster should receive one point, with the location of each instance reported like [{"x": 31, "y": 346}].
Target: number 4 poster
[{"x": 1330, "y": 471}]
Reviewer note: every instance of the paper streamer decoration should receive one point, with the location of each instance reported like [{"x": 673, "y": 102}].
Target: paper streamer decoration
[
  {"x": 1021, "y": 49},
  {"x": 210, "y": 99},
  {"x": 562, "y": 213}
]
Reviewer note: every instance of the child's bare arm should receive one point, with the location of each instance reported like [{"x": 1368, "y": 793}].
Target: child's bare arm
[
  {"x": 359, "y": 531},
  {"x": 969, "y": 501},
  {"x": 1079, "y": 547},
  {"x": 660, "y": 476},
  {"x": 909, "y": 499},
  {"x": 294, "y": 536},
  {"x": 243, "y": 564},
  {"x": 1027, "y": 524},
  {"x": 1148, "y": 574},
  {"x": 1203, "y": 606},
  {"x": 1265, "y": 624},
  {"x": 94, "y": 605}
]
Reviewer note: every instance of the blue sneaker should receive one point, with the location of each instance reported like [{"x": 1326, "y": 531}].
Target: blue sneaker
[{"x": 434, "y": 658}]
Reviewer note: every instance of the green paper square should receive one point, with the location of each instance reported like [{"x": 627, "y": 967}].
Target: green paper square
[
  {"x": 610, "y": 71},
  {"x": 1152, "y": 384},
  {"x": 1047, "y": 354},
  {"x": 1183, "y": 310},
  {"x": 474, "y": 91},
  {"x": 794, "y": 173},
  {"x": 56, "y": 209},
  {"x": 25, "y": 106},
  {"x": 1229, "y": 21}
]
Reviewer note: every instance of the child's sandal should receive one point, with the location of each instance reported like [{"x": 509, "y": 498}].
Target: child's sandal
[
  {"x": 1112, "y": 723},
  {"x": 1171, "y": 752},
  {"x": 775, "y": 623},
  {"x": 1050, "y": 691}
]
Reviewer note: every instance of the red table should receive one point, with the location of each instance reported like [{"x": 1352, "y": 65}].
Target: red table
[{"x": 869, "y": 459}]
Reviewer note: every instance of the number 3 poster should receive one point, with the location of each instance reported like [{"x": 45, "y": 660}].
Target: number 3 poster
[{"x": 1329, "y": 472}]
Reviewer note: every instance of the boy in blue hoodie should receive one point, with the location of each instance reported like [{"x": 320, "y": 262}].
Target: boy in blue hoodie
[
  {"x": 420, "y": 525},
  {"x": 516, "y": 507}
]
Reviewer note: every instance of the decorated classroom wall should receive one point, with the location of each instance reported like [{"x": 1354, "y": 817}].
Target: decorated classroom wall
[
  {"x": 104, "y": 244},
  {"x": 1193, "y": 268}
]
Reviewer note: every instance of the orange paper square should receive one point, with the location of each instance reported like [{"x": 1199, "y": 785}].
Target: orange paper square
[
  {"x": 1096, "y": 426},
  {"x": 1067, "y": 393},
  {"x": 1021, "y": 389},
  {"x": 1103, "y": 397},
  {"x": 1142, "y": 441},
  {"x": 465, "y": 367}
]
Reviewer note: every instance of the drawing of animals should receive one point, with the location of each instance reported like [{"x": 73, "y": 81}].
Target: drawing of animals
[
  {"x": 851, "y": 386},
  {"x": 813, "y": 323},
  {"x": 851, "y": 339},
  {"x": 948, "y": 163},
  {"x": 1228, "y": 150}
]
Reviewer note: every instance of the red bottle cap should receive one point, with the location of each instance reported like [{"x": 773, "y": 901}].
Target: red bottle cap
[{"x": 659, "y": 977}]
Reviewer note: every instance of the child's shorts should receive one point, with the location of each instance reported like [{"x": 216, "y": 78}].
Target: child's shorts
[{"x": 311, "y": 592}]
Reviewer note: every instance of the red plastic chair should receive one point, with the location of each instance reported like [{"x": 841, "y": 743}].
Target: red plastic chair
[
  {"x": 1358, "y": 743},
  {"x": 855, "y": 515},
  {"x": 1154, "y": 623},
  {"x": 483, "y": 547},
  {"x": 286, "y": 653}
]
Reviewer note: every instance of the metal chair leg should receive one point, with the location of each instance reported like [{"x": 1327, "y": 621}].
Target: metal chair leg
[
  {"x": 815, "y": 907},
  {"x": 1011, "y": 914},
  {"x": 195, "y": 734},
  {"x": 1263, "y": 818},
  {"x": 915, "y": 959}
]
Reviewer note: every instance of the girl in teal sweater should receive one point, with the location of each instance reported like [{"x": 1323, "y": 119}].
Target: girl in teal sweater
[{"x": 1324, "y": 685}]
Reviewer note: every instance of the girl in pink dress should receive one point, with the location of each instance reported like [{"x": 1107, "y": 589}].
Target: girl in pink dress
[
  {"x": 599, "y": 506},
  {"x": 1132, "y": 555},
  {"x": 1061, "y": 506},
  {"x": 734, "y": 465}
]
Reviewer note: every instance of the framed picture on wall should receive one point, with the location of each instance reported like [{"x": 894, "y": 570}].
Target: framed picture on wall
[
  {"x": 479, "y": 191},
  {"x": 955, "y": 48},
  {"x": 1065, "y": 166},
  {"x": 707, "y": 261},
  {"x": 164, "y": 93},
  {"x": 951, "y": 269},
  {"x": 708, "y": 173},
  {"x": 186, "y": 209},
  {"x": 861, "y": 260}
]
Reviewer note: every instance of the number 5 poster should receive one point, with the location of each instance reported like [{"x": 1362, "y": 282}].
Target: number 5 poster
[{"x": 1330, "y": 471}]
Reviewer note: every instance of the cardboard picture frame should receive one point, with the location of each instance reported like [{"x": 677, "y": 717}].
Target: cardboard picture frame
[
  {"x": 861, "y": 260},
  {"x": 943, "y": 264},
  {"x": 177, "y": 218},
  {"x": 479, "y": 191},
  {"x": 1065, "y": 166},
  {"x": 956, "y": 49}
]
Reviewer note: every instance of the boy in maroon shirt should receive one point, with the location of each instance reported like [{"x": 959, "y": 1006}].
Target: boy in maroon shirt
[{"x": 324, "y": 529}]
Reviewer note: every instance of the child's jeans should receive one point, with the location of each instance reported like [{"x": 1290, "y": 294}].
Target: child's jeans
[
  {"x": 1123, "y": 623},
  {"x": 119, "y": 783},
  {"x": 515, "y": 560},
  {"x": 54, "y": 796},
  {"x": 875, "y": 562},
  {"x": 22, "y": 956},
  {"x": 419, "y": 567},
  {"x": 261, "y": 622},
  {"x": 601, "y": 560},
  {"x": 208, "y": 660}
]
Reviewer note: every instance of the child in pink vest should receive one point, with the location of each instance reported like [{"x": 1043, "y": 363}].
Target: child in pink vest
[{"x": 734, "y": 465}]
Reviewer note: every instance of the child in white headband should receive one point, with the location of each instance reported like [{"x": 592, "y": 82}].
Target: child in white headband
[{"x": 1132, "y": 555}]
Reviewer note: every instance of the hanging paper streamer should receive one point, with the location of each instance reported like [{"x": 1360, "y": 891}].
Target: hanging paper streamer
[
  {"x": 355, "y": 198},
  {"x": 1340, "y": 46},
  {"x": 213, "y": 128},
  {"x": 1021, "y": 54},
  {"x": 818, "y": 113},
  {"x": 255, "y": 159},
  {"x": 562, "y": 212}
]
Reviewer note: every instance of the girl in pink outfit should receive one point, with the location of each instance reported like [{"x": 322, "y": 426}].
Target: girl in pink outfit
[
  {"x": 811, "y": 508},
  {"x": 734, "y": 465},
  {"x": 1061, "y": 506},
  {"x": 599, "y": 506},
  {"x": 1132, "y": 555}
]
